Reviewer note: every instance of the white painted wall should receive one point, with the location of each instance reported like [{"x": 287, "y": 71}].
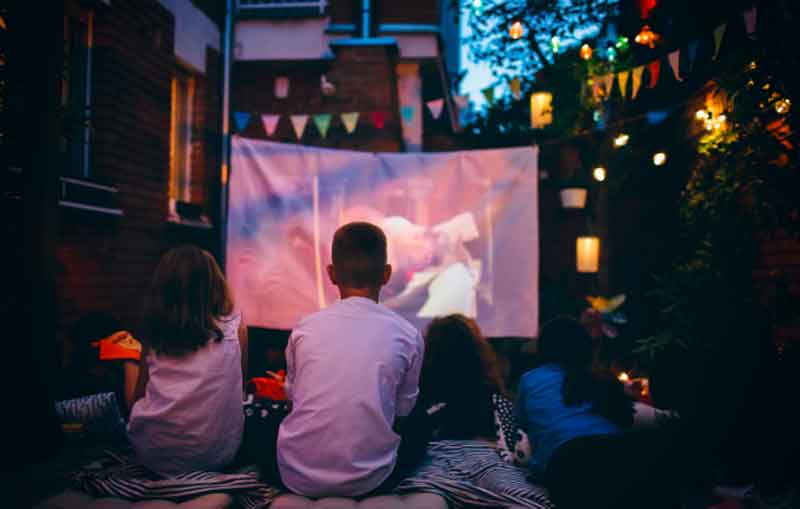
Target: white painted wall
[
  {"x": 194, "y": 32},
  {"x": 305, "y": 39}
]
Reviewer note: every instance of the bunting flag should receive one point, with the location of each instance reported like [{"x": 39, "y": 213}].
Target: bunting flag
[
  {"x": 435, "y": 107},
  {"x": 462, "y": 101},
  {"x": 675, "y": 62},
  {"x": 718, "y": 33},
  {"x": 750, "y": 22},
  {"x": 656, "y": 116},
  {"x": 654, "y": 67},
  {"x": 299, "y": 123},
  {"x": 622, "y": 79},
  {"x": 378, "y": 119},
  {"x": 636, "y": 76},
  {"x": 608, "y": 84},
  {"x": 242, "y": 119},
  {"x": 691, "y": 52},
  {"x": 516, "y": 88},
  {"x": 270, "y": 123},
  {"x": 596, "y": 87},
  {"x": 323, "y": 122},
  {"x": 488, "y": 93},
  {"x": 407, "y": 112},
  {"x": 350, "y": 121}
]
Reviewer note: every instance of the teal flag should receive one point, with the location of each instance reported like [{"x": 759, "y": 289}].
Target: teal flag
[{"x": 323, "y": 123}]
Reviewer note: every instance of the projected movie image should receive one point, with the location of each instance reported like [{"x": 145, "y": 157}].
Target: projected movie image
[{"x": 461, "y": 231}]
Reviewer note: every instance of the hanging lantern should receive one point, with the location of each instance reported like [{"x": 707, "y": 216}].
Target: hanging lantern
[
  {"x": 281, "y": 89},
  {"x": 541, "y": 109},
  {"x": 646, "y": 37},
  {"x": 623, "y": 43},
  {"x": 516, "y": 30},
  {"x": 586, "y": 52},
  {"x": 587, "y": 254}
]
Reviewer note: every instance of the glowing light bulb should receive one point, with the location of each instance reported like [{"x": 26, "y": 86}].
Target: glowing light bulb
[
  {"x": 659, "y": 158},
  {"x": 622, "y": 43},
  {"x": 555, "y": 43},
  {"x": 586, "y": 52},
  {"x": 623, "y": 377},
  {"x": 782, "y": 106},
  {"x": 516, "y": 30},
  {"x": 701, "y": 115},
  {"x": 599, "y": 174},
  {"x": 621, "y": 140},
  {"x": 611, "y": 54}
]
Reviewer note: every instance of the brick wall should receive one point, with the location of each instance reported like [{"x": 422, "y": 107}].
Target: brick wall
[
  {"x": 419, "y": 12},
  {"x": 105, "y": 262}
]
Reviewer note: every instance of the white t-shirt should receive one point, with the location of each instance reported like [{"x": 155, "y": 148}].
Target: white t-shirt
[
  {"x": 191, "y": 415},
  {"x": 352, "y": 368}
]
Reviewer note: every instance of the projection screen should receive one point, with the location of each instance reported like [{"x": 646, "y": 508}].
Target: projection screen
[{"x": 462, "y": 230}]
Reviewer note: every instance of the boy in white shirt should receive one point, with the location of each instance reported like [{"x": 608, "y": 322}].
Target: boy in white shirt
[{"x": 352, "y": 375}]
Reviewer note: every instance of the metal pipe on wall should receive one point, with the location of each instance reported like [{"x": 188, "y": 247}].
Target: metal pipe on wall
[{"x": 227, "y": 64}]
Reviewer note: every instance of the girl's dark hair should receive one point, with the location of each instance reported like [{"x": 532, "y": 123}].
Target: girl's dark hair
[
  {"x": 564, "y": 341},
  {"x": 460, "y": 369},
  {"x": 187, "y": 296}
]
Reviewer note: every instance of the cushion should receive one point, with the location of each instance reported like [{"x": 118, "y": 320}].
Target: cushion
[
  {"x": 77, "y": 500},
  {"x": 406, "y": 501}
]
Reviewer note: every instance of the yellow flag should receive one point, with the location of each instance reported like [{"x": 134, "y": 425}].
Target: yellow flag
[{"x": 622, "y": 78}]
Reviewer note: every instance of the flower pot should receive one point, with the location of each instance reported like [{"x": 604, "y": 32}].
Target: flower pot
[{"x": 573, "y": 197}]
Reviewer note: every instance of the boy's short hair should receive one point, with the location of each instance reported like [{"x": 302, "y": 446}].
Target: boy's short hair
[{"x": 359, "y": 255}]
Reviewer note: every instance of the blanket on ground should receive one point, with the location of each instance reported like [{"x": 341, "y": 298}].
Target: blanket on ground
[{"x": 465, "y": 473}]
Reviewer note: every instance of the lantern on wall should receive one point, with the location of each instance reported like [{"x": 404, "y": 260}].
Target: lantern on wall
[
  {"x": 587, "y": 254},
  {"x": 541, "y": 109},
  {"x": 281, "y": 89}
]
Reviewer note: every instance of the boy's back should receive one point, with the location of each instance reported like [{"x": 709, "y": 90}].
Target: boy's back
[{"x": 352, "y": 369}]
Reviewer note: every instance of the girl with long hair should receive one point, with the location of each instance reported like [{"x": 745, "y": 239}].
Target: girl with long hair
[{"x": 186, "y": 410}]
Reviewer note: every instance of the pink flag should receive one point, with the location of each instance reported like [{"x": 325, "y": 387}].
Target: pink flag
[
  {"x": 675, "y": 62},
  {"x": 435, "y": 107},
  {"x": 270, "y": 122}
]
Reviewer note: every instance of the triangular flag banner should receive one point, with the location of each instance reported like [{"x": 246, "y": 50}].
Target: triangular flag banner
[
  {"x": 435, "y": 107},
  {"x": 270, "y": 122},
  {"x": 596, "y": 88},
  {"x": 750, "y": 22},
  {"x": 675, "y": 62},
  {"x": 622, "y": 79},
  {"x": 242, "y": 119},
  {"x": 350, "y": 121},
  {"x": 656, "y": 116},
  {"x": 516, "y": 87},
  {"x": 378, "y": 119},
  {"x": 718, "y": 33},
  {"x": 608, "y": 84},
  {"x": 654, "y": 67},
  {"x": 407, "y": 112},
  {"x": 488, "y": 93},
  {"x": 323, "y": 122},
  {"x": 636, "y": 76},
  {"x": 299, "y": 123},
  {"x": 691, "y": 52},
  {"x": 462, "y": 101}
]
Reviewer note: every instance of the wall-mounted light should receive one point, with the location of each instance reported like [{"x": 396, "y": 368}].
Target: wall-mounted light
[{"x": 587, "y": 254}]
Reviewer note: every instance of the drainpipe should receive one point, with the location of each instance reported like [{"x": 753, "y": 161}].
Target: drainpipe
[
  {"x": 365, "y": 19},
  {"x": 227, "y": 63}
]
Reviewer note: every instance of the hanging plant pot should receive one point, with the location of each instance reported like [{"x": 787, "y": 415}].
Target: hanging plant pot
[{"x": 573, "y": 197}]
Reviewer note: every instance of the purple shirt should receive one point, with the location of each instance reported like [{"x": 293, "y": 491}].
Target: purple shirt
[
  {"x": 352, "y": 368},
  {"x": 191, "y": 415}
]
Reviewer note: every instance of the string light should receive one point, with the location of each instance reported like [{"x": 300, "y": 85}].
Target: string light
[
  {"x": 599, "y": 173},
  {"x": 586, "y": 52},
  {"x": 659, "y": 158},
  {"x": 782, "y": 106},
  {"x": 621, "y": 140},
  {"x": 555, "y": 43},
  {"x": 701, "y": 115},
  {"x": 516, "y": 30},
  {"x": 611, "y": 54},
  {"x": 623, "y": 377},
  {"x": 622, "y": 43},
  {"x": 646, "y": 37}
]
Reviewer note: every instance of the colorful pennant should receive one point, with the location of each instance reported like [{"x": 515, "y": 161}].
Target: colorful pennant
[
  {"x": 654, "y": 68},
  {"x": 242, "y": 119},
  {"x": 435, "y": 107},
  {"x": 636, "y": 78},
  {"x": 270, "y": 123},
  {"x": 719, "y": 32},
  {"x": 350, "y": 121},
  {"x": 622, "y": 79},
  {"x": 675, "y": 62},
  {"x": 323, "y": 123},
  {"x": 407, "y": 112},
  {"x": 516, "y": 88},
  {"x": 608, "y": 84},
  {"x": 299, "y": 123},
  {"x": 488, "y": 93},
  {"x": 378, "y": 119}
]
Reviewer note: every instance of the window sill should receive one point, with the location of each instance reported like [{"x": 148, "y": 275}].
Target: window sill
[
  {"x": 90, "y": 196},
  {"x": 202, "y": 223}
]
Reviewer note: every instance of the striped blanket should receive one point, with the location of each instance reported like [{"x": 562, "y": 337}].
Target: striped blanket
[{"x": 465, "y": 473}]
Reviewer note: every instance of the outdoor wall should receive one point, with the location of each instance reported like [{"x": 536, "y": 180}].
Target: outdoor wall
[{"x": 106, "y": 261}]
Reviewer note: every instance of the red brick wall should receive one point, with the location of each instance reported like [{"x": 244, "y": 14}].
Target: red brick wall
[
  {"x": 365, "y": 82},
  {"x": 105, "y": 262}
]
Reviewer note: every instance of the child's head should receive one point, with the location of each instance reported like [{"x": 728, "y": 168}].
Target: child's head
[
  {"x": 565, "y": 342},
  {"x": 188, "y": 294},
  {"x": 359, "y": 258}
]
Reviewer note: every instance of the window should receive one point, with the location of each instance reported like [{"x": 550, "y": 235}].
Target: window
[
  {"x": 186, "y": 190},
  {"x": 76, "y": 92}
]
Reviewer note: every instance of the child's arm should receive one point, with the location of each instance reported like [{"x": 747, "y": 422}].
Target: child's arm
[
  {"x": 136, "y": 378},
  {"x": 243, "y": 346}
]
